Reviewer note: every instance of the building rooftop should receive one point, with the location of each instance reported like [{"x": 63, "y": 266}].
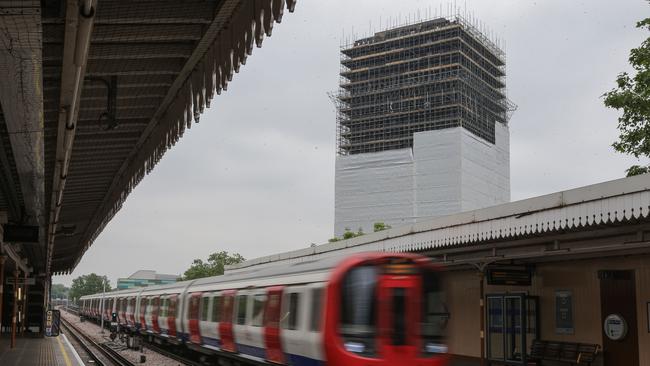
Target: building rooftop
[{"x": 612, "y": 202}]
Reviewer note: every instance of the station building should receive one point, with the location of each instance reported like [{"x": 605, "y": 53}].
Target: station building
[
  {"x": 143, "y": 278},
  {"x": 571, "y": 267}
]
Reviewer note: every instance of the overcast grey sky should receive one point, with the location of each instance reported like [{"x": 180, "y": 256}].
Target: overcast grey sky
[{"x": 256, "y": 176}]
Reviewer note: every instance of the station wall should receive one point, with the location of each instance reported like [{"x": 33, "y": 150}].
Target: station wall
[{"x": 579, "y": 277}]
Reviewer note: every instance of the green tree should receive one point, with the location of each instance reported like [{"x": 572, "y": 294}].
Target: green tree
[
  {"x": 59, "y": 291},
  {"x": 632, "y": 96},
  {"x": 214, "y": 266},
  {"x": 87, "y": 285}
]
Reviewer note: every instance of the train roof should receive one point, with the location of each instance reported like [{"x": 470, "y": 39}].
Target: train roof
[{"x": 303, "y": 272}]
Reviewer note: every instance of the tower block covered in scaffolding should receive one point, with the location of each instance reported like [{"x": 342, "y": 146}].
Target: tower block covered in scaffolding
[{"x": 422, "y": 125}]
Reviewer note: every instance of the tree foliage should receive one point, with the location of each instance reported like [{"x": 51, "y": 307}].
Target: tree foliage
[
  {"x": 59, "y": 291},
  {"x": 214, "y": 266},
  {"x": 380, "y": 226},
  {"x": 349, "y": 234},
  {"x": 632, "y": 97},
  {"x": 87, "y": 285}
]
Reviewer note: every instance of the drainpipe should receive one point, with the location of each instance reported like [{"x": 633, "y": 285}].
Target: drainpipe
[{"x": 480, "y": 267}]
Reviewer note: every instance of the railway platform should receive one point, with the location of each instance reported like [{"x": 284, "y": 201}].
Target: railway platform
[{"x": 38, "y": 351}]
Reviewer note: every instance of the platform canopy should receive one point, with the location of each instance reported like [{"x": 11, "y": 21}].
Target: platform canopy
[{"x": 92, "y": 95}]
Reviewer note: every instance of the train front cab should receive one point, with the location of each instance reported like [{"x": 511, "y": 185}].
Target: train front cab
[{"x": 386, "y": 311}]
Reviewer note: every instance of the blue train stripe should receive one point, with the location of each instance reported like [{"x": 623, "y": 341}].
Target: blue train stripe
[
  {"x": 293, "y": 360},
  {"x": 299, "y": 360},
  {"x": 251, "y": 350}
]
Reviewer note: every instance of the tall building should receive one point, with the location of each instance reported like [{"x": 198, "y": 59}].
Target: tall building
[
  {"x": 144, "y": 278},
  {"x": 422, "y": 125}
]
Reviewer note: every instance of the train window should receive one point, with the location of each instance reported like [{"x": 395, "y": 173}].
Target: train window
[
  {"x": 143, "y": 306},
  {"x": 194, "y": 308},
  {"x": 258, "y": 309},
  {"x": 435, "y": 314},
  {"x": 216, "y": 308},
  {"x": 172, "y": 307},
  {"x": 290, "y": 319},
  {"x": 358, "y": 305},
  {"x": 399, "y": 317},
  {"x": 205, "y": 308},
  {"x": 316, "y": 308},
  {"x": 155, "y": 306},
  {"x": 241, "y": 309},
  {"x": 163, "y": 307}
]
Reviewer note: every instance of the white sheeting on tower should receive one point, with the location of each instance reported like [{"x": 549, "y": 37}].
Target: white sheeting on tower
[{"x": 447, "y": 171}]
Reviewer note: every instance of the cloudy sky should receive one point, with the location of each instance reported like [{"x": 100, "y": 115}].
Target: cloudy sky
[{"x": 256, "y": 176}]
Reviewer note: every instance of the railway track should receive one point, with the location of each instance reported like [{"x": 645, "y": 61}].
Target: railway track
[{"x": 100, "y": 354}]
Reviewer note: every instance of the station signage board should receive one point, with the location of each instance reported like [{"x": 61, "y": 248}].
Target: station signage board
[
  {"x": 20, "y": 234},
  {"x": 20, "y": 281},
  {"x": 509, "y": 275},
  {"x": 52, "y": 323}
]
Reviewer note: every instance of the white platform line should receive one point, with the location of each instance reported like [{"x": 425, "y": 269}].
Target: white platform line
[{"x": 74, "y": 351}]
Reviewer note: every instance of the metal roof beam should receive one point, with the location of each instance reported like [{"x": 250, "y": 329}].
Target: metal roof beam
[
  {"x": 146, "y": 33},
  {"x": 78, "y": 31}
]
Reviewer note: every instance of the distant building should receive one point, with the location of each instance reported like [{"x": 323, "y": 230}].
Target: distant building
[
  {"x": 145, "y": 278},
  {"x": 422, "y": 125}
]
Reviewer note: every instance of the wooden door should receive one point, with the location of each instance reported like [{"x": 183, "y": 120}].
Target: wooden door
[{"x": 618, "y": 297}]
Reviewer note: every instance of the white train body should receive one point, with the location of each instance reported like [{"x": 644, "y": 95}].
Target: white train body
[{"x": 282, "y": 315}]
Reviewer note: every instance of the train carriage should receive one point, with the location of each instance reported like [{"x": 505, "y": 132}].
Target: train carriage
[{"x": 366, "y": 309}]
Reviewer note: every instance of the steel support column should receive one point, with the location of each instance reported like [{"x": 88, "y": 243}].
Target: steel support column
[
  {"x": 14, "y": 310},
  {"x": 23, "y": 313},
  {"x": 2, "y": 282}
]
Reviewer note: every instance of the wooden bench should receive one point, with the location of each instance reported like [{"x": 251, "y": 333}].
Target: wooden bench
[{"x": 568, "y": 352}]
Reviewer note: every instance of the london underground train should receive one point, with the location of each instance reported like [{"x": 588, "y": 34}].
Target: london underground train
[{"x": 367, "y": 309}]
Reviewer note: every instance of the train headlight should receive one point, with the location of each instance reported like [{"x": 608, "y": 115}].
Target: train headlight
[
  {"x": 435, "y": 348},
  {"x": 356, "y": 347}
]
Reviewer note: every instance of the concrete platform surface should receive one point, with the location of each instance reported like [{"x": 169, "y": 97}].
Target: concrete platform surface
[{"x": 47, "y": 351}]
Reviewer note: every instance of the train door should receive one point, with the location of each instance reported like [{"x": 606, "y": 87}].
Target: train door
[
  {"x": 193, "y": 317},
  {"x": 225, "y": 325},
  {"x": 155, "y": 309},
  {"x": 171, "y": 314},
  {"x": 210, "y": 327},
  {"x": 399, "y": 299},
  {"x": 272, "y": 341},
  {"x": 143, "y": 312},
  {"x": 120, "y": 312}
]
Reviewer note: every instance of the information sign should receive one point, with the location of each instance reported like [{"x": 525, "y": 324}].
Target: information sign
[
  {"x": 615, "y": 327},
  {"x": 564, "y": 312},
  {"x": 52, "y": 323},
  {"x": 509, "y": 275},
  {"x": 20, "y": 281}
]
